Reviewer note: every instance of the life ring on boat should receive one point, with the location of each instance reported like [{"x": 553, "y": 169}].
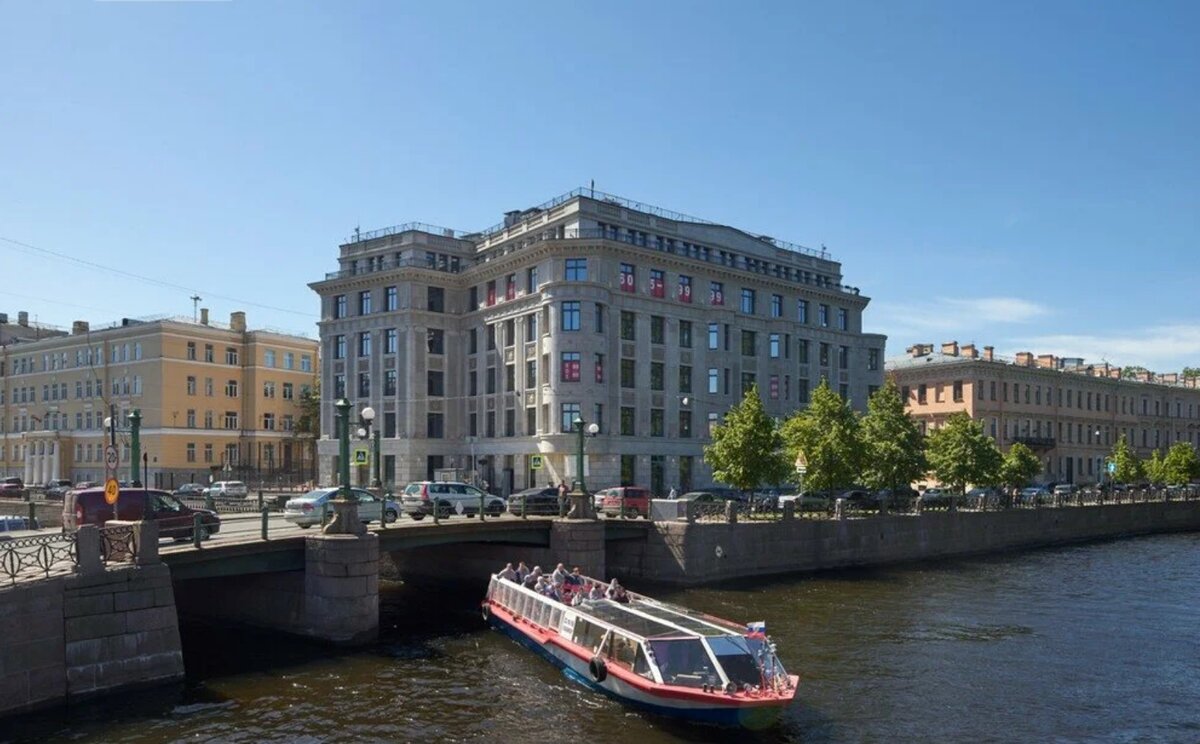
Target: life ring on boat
[
  {"x": 598, "y": 669},
  {"x": 485, "y": 612}
]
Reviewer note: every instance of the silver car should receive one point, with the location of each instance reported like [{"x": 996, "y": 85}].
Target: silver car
[{"x": 314, "y": 507}]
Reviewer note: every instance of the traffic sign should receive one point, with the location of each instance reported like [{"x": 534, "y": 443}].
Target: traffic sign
[
  {"x": 112, "y": 489},
  {"x": 801, "y": 464},
  {"x": 1112, "y": 467},
  {"x": 535, "y": 462},
  {"x": 360, "y": 457},
  {"x": 110, "y": 459}
]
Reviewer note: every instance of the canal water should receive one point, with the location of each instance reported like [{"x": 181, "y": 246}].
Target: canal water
[{"x": 1090, "y": 643}]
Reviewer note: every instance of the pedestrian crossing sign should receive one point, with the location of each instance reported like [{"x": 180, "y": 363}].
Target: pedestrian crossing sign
[
  {"x": 360, "y": 457},
  {"x": 535, "y": 462}
]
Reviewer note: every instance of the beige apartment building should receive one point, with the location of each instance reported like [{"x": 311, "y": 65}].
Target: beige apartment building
[
  {"x": 1068, "y": 412},
  {"x": 216, "y": 401},
  {"x": 480, "y": 351}
]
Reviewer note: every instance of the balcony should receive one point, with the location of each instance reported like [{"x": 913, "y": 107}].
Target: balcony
[{"x": 1035, "y": 443}]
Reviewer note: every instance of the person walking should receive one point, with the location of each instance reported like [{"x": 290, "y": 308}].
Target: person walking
[{"x": 674, "y": 494}]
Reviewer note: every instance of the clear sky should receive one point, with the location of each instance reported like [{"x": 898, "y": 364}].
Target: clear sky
[{"x": 1024, "y": 175}]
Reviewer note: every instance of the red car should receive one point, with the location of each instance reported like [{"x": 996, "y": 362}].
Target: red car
[
  {"x": 634, "y": 499},
  {"x": 12, "y": 487},
  {"x": 175, "y": 519}
]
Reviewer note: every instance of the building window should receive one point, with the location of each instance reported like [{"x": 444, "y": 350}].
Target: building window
[
  {"x": 658, "y": 426},
  {"x": 873, "y": 365},
  {"x": 435, "y": 341},
  {"x": 922, "y": 394},
  {"x": 748, "y": 301},
  {"x": 391, "y": 299},
  {"x": 435, "y": 300},
  {"x": 628, "y": 470},
  {"x": 490, "y": 381},
  {"x": 269, "y": 358},
  {"x": 570, "y": 315},
  {"x": 364, "y": 384},
  {"x": 531, "y": 280},
  {"x": 628, "y": 278},
  {"x": 776, "y": 306},
  {"x": 208, "y": 353},
  {"x": 843, "y": 357},
  {"x": 435, "y": 426},
  {"x": 843, "y": 319},
  {"x": 231, "y": 355},
  {"x": 684, "y": 293},
  {"x": 339, "y": 386},
  {"x": 289, "y": 360},
  {"x": 658, "y": 332},
  {"x": 339, "y": 307},
  {"x": 339, "y": 347},
  {"x": 716, "y": 293},
  {"x": 435, "y": 385},
  {"x": 569, "y": 412},
  {"x": 491, "y": 293},
  {"x": 572, "y": 362},
  {"x": 531, "y": 373},
  {"x": 685, "y": 424},
  {"x": 714, "y": 381},
  {"x": 531, "y": 327},
  {"x": 510, "y": 287},
  {"x": 390, "y": 341},
  {"x": 599, "y": 368},
  {"x": 191, "y": 418},
  {"x": 823, "y": 315},
  {"x": 577, "y": 270},
  {"x": 658, "y": 283},
  {"x": 599, "y": 318},
  {"x": 510, "y": 332},
  {"x": 364, "y": 302},
  {"x": 749, "y": 342},
  {"x": 958, "y": 391},
  {"x": 628, "y": 326},
  {"x": 657, "y": 373},
  {"x": 685, "y": 334},
  {"x": 389, "y": 382},
  {"x": 231, "y": 420},
  {"x": 191, "y": 354},
  {"x": 269, "y": 421},
  {"x": 306, "y": 363},
  {"x": 231, "y": 389},
  {"x": 268, "y": 389},
  {"x": 685, "y": 378},
  {"x": 364, "y": 344},
  {"x": 714, "y": 336},
  {"x": 191, "y": 451},
  {"x": 824, "y": 354},
  {"x": 208, "y": 386},
  {"x": 628, "y": 418},
  {"x": 773, "y": 345},
  {"x": 628, "y": 379},
  {"x": 748, "y": 381},
  {"x": 191, "y": 385}
]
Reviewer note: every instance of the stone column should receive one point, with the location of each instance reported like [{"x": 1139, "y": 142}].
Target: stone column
[
  {"x": 28, "y": 477},
  {"x": 55, "y": 448},
  {"x": 341, "y": 588}
]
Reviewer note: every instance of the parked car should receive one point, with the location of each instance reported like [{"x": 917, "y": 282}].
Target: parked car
[
  {"x": 813, "y": 501},
  {"x": 899, "y": 499},
  {"x": 1065, "y": 489},
  {"x": 309, "y": 509},
  {"x": 708, "y": 497},
  {"x": 228, "y": 490},
  {"x": 1034, "y": 495},
  {"x": 632, "y": 501},
  {"x": 938, "y": 498},
  {"x": 85, "y": 484},
  {"x": 175, "y": 519},
  {"x": 190, "y": 491},
  {"x": 56, "y": 489},
  {"x": 12, "y": 487},
  {"x": 990, "y": 497},
  {"x": 448, "y": 497},
  {"x": 542, "y": 500}
]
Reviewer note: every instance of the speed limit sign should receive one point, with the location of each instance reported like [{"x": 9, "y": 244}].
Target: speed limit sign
[{"x": 110, "y": 459}]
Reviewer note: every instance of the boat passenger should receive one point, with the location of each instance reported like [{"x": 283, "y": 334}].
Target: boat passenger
[
  {"x": 611, "y": 592},
  {"x": 532, "y": 579},
  {"x": 522, "y": 572},
  {"x": 621, "y": 596},
  {"x": 575, "y": 578},
  {"x": 596, "y": 592},
  {"x": 577, "y": 599},
  {"x": 508, "y": 573},
  {"x": 559, "y": 576}
]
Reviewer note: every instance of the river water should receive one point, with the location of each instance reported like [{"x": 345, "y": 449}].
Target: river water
[{"x": 1090, "y": 643}]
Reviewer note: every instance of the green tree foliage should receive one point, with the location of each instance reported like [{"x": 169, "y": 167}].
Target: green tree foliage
[
  {"x": 1190, "y": 372},
  {"x": 1132, "y": 371},
  {"x": 747, "y": 449},
  {"x": 1153, "y": 468},
  {"x": 827, "y": 434},
  {"x": 960, "y": 453},
  {"x": 1181, "y": 465},
  {"x": 1128, "y": 467},
  {"x": 893, "y": 445},
  {"x": 1019, "y": 467},
  {"x": 308, "y": 419}
]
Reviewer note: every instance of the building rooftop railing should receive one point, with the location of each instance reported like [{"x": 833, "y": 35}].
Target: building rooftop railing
[
  {"x": 392, "y": 264},
  {"x": 383, "y": 232}
]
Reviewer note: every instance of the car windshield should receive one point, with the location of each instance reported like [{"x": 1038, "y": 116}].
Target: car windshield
[{"x": 166, "y": 502}]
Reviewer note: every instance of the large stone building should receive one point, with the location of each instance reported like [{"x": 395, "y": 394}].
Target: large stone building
[
  {"x": 218, "y": 401},
  {"x": 482, "y": 349},
  {"x": 1070, "y": 413}
]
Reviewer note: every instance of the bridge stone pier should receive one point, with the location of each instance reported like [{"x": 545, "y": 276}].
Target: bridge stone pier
[{"x": 334, "y": 598}]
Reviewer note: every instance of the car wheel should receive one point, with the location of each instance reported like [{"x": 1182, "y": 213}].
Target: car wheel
[
  {"x": 417, "y": 517},
  {"x": 632, "y": 512},
  {"x": 496, "y": 509},
  {"x": 391, "y": 516},
  {"x": 444, "y": 510},
  {"x": 304, "y": 526}
]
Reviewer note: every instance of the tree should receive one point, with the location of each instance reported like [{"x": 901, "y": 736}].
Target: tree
[
  {"x": 892, "y": 442},
  {"x": 827, "y": 434},
  {"x": 308, "y": 421},
  {"x": 960, "y": 453},
  {"x": 747, "y": 449},
  {"x": 1019, "y": 467},
  {"x": 1153, "y": 468},
  {"x": 1180, "y": 465},
  {"x": 1128, "y": 469},
  {"x": 1190, "y": 373},
  {"x": 1132, "y": 371}
]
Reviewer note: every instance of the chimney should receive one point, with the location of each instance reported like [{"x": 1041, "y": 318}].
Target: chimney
[
  {"x": 1114, "y": 373},
  {"x": 988, "y": 353},
  {"x": 916, "y": 350},
  {"x": 1146, "y": 376},
  {"x": 1046, "y": 360},
  {"x": 23, "y": 319},
  {"x": 512, "y": 217},
  {"x": 950, "y": 348},
  {"x": 1024, "y": 359},
  {"x": 969, "y": 351},
  {"x": 79, "y": 327},
  {"x": 237, "y": 321},
  {"x": 204, "y": 316},
  {"x": 1171, "y": 378}
]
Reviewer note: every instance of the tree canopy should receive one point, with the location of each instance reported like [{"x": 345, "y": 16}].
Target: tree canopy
[
  {"x": 747, "y": 449},
  {"x": 827, "y": 434},
  {"x": 1132, "y": 371},
  {"x": 1128, "y": 469},
  {"x": 1019, "y": 466},
  {"x": 1181, "y": 465},
  {"x": 1190, "y": 372},
  {"x": 1153, "y": 468},
  {"x": 892, "y": 442},
  {"x": 960, "y": 453}
]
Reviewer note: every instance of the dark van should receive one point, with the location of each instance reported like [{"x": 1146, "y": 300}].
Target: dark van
[{"x": 174, "y": 518}]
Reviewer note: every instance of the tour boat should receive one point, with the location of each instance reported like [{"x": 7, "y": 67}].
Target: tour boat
[{"x": 652, "y": 655}]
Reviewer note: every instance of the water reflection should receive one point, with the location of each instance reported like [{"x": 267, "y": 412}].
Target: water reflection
[{"x": 1087, "y": 643}]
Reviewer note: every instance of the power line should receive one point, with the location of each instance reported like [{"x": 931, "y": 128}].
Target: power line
[{"x": 149, "y": 280}]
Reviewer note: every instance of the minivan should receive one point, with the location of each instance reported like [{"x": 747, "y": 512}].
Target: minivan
[
  {"x": 174, "y": 518},
  {"x": 632, "y": 501},
  {"x": 449, "y": 497}
]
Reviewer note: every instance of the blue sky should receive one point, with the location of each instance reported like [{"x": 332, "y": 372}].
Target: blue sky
[{"x": 1022, "y": 175}]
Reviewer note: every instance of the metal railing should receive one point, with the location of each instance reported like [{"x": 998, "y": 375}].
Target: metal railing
[
  {"x": 407, "y": 263},
  {"x": 384, "y": 232},
  {"x": 118, "y": 544},
  {"x": 37, "y": 557}
]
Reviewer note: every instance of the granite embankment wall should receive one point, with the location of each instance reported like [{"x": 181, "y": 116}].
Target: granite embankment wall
[
  {"x": 683, "y": 553},
  {"x": 70, "y": 637}
]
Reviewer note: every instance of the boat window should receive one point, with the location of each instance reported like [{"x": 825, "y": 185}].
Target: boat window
[
  {"x": 621, "y": 650},
  {"x": 493, "y": 585},
  {"x": 543, "y": 614},
  {"x": 526, "y": 604},
  {"x": 684, "y": 662},
  {"x": 589, "y": 635},
  {"x": 736, "y": 659},
  {"x": 555, "y": 618},
  {"x": 641, "y": 665}
]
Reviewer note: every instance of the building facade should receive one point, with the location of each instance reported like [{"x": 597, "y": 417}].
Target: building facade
[
  {"x": 479, "y": 351},
  {"x": 1068, "y": 412},
  {"x": 215, "y": 401}
]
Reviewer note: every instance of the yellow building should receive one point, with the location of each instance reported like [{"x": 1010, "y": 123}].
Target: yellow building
[{"x": 219, "y": 401}]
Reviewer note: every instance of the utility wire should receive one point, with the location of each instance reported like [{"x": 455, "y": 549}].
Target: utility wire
[{"x": 27, "y": 248}]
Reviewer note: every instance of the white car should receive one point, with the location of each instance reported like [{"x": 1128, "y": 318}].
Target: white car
[
  {"x": 448, "y": 497},
  {"x": 311, "y": 508},
  {"x": 228, "y": 490}
]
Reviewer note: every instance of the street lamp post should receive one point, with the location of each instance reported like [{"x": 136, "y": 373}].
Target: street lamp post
[
  {"x": 345, "y": 505},
  {"x": 135, "y": 446},
  {"x": 579, "y": 503},
  {"x": 367, "y": 416}
]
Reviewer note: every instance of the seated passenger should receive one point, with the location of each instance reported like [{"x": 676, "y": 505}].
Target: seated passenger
[
  {"x": 575, "y": 578},
  {"x": 621, "y": 596},
  {"x": 522, "y": 572},
  {"x": 508, "y": 573},
  {"x": 596, "y": 592},
  {"x": 611, "y": 591},
  {"x": 559, "y": 576},
  {"x": 577, "y": 599},
  {"x": 531, "y": 580}
]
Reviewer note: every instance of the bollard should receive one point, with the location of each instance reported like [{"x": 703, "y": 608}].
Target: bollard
[
  {"x": 209, "y": 503},
  {"x": 196, "y": 527},
  {"x": 789, "y": 511},
  {"x": 731, "y": 512},
  {"x": 482, "y": 504},
  {"x": 33, "y": 520},
  {"x": 689, "y": 511},
  {"x": 524, "y": 502},
  {"x": 324, "y": 513},
  {"x": 436, "y": 512},
  {"x": 265, "y": 517},
  {"x": 387, "y": 499},
  {"x": 260, "y": 498}
]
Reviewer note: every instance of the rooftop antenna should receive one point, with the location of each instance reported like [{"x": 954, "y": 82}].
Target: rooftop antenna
[
  {"x": 195, "y": 304},
  {"x": 593, "y": 188},
  {"x": 357, "y": 234}
]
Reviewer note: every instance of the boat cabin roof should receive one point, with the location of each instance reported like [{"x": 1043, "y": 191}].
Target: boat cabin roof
[{"x": 649, "y": 619}]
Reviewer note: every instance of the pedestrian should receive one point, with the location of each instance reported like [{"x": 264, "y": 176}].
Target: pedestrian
[
  {"x": 562, "y": 492},
  {"x": 674, "y": 494}
]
